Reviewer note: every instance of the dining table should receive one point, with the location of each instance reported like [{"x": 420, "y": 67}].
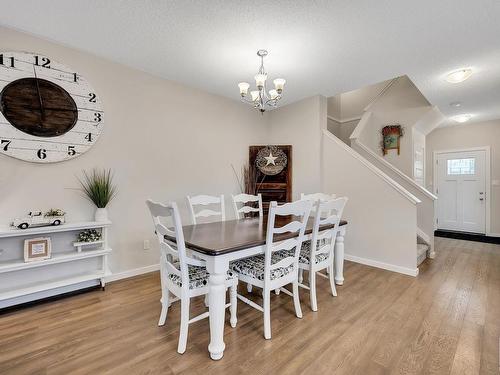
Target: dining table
[{"x": 219, "y": 243}]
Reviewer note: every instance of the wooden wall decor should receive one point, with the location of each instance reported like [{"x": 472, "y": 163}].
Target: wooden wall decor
[
  {"x": 391, "y": 135},
  {"x": 271, "y": 169}
]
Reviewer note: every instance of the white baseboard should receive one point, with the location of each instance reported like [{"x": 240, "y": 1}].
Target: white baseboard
[
  {"x": 493, "y": 234},
  {"x": 132, "y": 273},
  {"x": 385, "y": 266}
]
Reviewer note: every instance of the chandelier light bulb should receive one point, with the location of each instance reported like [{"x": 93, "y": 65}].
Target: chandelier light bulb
[
  {"x": 260, "y": 80},
  {"x": 255, "y": 95},
  {"x": 244, "y": 86},
  {"x": 279, "y": 83},
  {"x": 273, "y": 94}
]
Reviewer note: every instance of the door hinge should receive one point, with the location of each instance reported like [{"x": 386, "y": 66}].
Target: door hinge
[{"x": 437, "y": 221}]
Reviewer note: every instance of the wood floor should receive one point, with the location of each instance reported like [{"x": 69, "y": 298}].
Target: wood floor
[{"x": 447, "y": 320}]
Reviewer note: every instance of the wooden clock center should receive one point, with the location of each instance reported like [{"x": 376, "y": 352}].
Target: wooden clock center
[{"x": 38, "y": 107}]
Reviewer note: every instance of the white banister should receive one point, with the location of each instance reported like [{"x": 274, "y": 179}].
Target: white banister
[
  {"x": 392, "y": 168},
  {"x": 400, "y": 189}
]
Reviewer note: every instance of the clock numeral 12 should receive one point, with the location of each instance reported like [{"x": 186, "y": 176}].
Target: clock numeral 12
[
  {"x": 42, "y": 153},
  {"x": 5, "y": 144},
  {"x": 45, "y": 62},
  {"x": 71, "y": 150},
  {"x": 10, "y": 58},
  {"x": 88, "y": 137}
]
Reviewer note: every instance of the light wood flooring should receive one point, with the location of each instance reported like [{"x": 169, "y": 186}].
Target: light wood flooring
[{"x": 447, "y": 320}]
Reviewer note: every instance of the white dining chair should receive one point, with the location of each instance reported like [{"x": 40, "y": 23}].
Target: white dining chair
[
  {"x": 239, "y": 212},
  {"x": 315, "y": 196},
  {"x": 181, "y": 275},
  {"x": 244, "y": 200},
  {"x": 273, "y": 270},
  {"x": 318, "y": 254},
  {"x": 205, "y": 200}
]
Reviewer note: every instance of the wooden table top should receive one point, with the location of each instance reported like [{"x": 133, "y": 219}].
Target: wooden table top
[{"x": 224, "y": 237}]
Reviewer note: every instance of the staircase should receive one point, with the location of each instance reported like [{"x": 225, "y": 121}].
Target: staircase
[{"x": 419, "y": 118}]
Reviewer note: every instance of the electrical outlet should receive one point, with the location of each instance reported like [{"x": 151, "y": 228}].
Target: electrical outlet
[{"x": 146, "y": 245}]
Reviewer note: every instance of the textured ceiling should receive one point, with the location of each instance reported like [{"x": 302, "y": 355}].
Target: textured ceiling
[{"x": 320, "y": 47}]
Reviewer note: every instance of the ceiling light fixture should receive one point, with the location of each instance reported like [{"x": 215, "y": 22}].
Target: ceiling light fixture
[
  {"x": 459, "y": 75},
  {"x": 462, "y": 118},
  {"x": 260, "y": 98},
  {"x": 456, "y": 104}
]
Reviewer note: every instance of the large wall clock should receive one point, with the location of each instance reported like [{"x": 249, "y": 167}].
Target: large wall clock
[{"x": 48, "y": 112}]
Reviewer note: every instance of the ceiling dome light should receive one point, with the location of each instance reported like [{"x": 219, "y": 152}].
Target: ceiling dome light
[
  {"x": 456, "y": 104},
  {"x": 459, "y": 75},
  {"x": 462, "y": 118}
]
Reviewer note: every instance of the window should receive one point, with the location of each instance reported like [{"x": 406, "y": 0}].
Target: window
[{"x": 462, "y": 166}]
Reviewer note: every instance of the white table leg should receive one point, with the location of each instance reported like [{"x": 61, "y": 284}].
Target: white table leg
[
  {"x": 217, "y": 302},
  {"x": 339, "y": 257}
]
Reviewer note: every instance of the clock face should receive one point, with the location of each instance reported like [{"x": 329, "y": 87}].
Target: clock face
[{"x": 48, "y": 112}]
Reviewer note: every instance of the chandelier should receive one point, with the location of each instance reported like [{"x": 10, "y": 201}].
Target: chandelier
[{"x": 261, "y": 99}]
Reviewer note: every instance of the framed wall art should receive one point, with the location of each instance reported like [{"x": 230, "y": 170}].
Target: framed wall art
[{"x": 36, "y": 249}]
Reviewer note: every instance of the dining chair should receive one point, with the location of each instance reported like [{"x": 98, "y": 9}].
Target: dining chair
[
  {"x": 181, "y": 275},
  {"x": 318, "y": 254},
  {"x": 205, "y": 200},
  {"x": 273, "y": 270},
  {"x": 244, "y": 199},
  {"x": 315, "y": 196},
  {"x": 239, "y": 212}
]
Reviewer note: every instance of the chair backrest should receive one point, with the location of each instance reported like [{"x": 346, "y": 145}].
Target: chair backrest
[
  {"x": 170, "y": 252},
  {"x": 326, "y": 213},
  {"x": 300, "y": 211},
  {"x": 245, "y": 209},
  {"x": 205, "y": 200},
  {"x": 315, "y": 196}
]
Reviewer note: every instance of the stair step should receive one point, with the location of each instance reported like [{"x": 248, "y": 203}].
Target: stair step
[{"x": 421, "y": 252}]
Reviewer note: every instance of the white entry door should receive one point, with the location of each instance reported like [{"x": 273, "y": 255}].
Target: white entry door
[{"x": 461, "y": 183}]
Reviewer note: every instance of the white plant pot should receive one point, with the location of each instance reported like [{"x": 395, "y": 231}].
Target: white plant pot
[{"x": 101, "y": 215}]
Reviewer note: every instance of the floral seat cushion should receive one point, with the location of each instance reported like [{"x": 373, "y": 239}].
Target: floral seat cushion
[
  {"x": 305, "y": 253},
  {"x": 254, "y": 267},
  {"x": 198, "y": 276}
]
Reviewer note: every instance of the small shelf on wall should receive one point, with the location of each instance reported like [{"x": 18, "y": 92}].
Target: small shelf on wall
[
  {"x": 6, "y": 232},
  {"x": 33, "y": 288},
  {"x": 17, "y": 265}
]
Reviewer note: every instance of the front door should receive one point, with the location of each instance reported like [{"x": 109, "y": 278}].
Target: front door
[{"x": 461, "y": 182}]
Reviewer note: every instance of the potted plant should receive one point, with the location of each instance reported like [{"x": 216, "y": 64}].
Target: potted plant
[{"x": 98, "y": 187}]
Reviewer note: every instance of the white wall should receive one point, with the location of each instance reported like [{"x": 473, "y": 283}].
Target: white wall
[
  {"x": 342, "y": 130},
  {"x": 162, "y": 139},
  {"x": 467, "y": 136},
  {"x": 382, "y": 222},
  {"x": 401, "y": 104},
  {"x": 300, "y": 125}
]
